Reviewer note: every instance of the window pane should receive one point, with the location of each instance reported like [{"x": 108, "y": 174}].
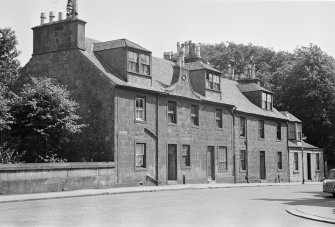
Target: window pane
[
  {"x": 186, "y": 155},
  {"x": 172, "y": 112},
  {"x": 140, "y": 155},
  {"x": 140, "y": 108},
  {"x": 242, "y": 126}
]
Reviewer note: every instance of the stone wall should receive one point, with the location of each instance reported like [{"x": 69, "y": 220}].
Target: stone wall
[{"x": 53, "y": 177}]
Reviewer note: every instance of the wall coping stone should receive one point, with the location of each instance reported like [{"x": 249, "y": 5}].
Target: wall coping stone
[{"x": 55, "y": 166}]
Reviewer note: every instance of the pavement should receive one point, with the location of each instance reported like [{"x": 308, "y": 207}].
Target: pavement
[{"x": 322, "y": 214}]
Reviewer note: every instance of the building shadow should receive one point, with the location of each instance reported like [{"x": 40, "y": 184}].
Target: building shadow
[{"x": 321, "y": 200}]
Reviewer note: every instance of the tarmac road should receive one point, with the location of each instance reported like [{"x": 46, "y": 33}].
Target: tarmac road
[{"x": 252, "y": 206}]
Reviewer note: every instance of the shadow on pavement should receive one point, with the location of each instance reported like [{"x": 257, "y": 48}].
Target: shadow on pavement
[{"x": 321, "y": 200}]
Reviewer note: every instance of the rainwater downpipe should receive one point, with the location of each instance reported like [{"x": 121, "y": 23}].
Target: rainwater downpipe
[
  {"x": 233, "y": 142},
  {"x": 246, "y": 149},
  {"x": 156, "y": 158}
]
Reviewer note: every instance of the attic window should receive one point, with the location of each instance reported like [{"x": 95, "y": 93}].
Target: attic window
[
  {"x": 266, "y": 101},
  {"x": 212, "y": 81},
  {"x": 139, "y": 63}
]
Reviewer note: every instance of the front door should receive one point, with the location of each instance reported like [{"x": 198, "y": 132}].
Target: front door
[
  {"x": 172, "y": 162},
  {"x": 210, "y": 163},
  {"x": 262, "y": 165},
  {"x": 309, "y": 172}
]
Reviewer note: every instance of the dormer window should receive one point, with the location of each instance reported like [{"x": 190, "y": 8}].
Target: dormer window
[
  {"x": 145, "y": 64},
  {"x": 266, "y": 101},
  {"x": 139, "y": 63},
  {"x": 133, "y": 61},
  {"x": 212, "y": 81}
]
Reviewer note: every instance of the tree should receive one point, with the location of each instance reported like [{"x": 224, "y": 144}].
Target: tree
[
  {"x": 45, "y": 119},
  {"x": 309, "y": 93},
  {"x": 9, "y": 65}
]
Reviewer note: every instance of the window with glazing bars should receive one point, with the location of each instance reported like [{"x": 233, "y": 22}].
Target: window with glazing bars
[
  {"x": 280, "y": 160},
  {"x": 261, "y": 129},
  {"x": 296, "y": 159},
  {"x": 140, "y": 155},
  {"x": 242, "y": 126},
  {"x": 186, "y": 156},
  {"x": 218, "y": 118},
  {"x": 172, "y": 115},
  {"x": 133, "y": 61},
  {"x": 222, "y": 158},
  {"x": 278, "y": 131},
  {"x": 145, "y": 64},
  {"x": 291, "y": 131},
  {"x": 242, "y": 159},
  {"x": 194, "y": 115},
  {"x": 140, "y": 109}
]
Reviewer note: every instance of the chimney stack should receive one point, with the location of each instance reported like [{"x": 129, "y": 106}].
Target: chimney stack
[
  {"x": 253, "y": 72},
  {"x": 198, "y": 51},
  {"x": 60, "y": 16},
  {"x": 51, "y": 16},
  {"x": 43, "y": 17}
]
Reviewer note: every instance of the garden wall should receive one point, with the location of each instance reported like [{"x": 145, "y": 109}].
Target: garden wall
[{"x": 53, "y": 177}]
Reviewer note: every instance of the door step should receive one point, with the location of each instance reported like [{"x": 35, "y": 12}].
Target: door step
[
  {"x": 172, "y": 182},
  {"x": 263, "y": 181},
  {"x": 211, "y": 181}
]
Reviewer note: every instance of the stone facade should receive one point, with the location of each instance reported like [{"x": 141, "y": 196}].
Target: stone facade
[{"x": 202, "y": 145}]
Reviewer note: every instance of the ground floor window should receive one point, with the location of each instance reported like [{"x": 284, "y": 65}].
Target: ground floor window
[
  {"x": 222, "y": 158},
  {"x": 185, "y": 156},
  {"x": 318, "y": 161},
  {"x": 280, "y": 160},
  {"x": 140, "y": 154},
  {"x": 243, "y": 160},
  {"x": 296, "y": 163}
]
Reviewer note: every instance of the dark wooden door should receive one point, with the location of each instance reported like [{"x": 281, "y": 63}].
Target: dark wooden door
[
  {"x": 262, "y": 165},
  {"x": 309, "y": 172},
  {"x": 172, "y": 162},
  {"x": 210, "y": 163}
]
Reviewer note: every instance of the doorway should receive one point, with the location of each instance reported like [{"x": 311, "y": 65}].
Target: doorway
[
  {"x": 309, "y": 172},
  {"x": 262, "y": 165},
  {"x": 210, "y": 163},
  {"x": 172, "y": 162}
]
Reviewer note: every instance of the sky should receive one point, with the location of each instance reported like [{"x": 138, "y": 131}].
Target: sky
[{"x": 158, "y": 25}]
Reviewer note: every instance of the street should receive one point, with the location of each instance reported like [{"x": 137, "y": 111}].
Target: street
[{"x": 252, "y": 206}]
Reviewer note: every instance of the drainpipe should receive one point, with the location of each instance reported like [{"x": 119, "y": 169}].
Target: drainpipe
[
  {"x": 288, "y": 155},
  {"x": 233, "y": 142},
  {"x": 246, "y": 149},
  {"x": 302, "y": 155},
  {"x": 156, "y": 158}
]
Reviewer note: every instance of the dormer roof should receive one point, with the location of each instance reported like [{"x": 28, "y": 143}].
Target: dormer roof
[
  {"x": 118, "y": 43},
  {"x": 248, "y": 87},
  {"x": 200, "y": 65}
]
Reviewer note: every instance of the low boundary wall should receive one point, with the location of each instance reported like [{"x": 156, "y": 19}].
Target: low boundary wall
[{"x": 53, "y": 177}]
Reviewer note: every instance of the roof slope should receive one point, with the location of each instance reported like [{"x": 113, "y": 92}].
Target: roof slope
[
  {"x": 232, "y": 95},
  {"x": 290, "y": 116},
  {"x": 162, "y": 70},
  {"x": 294, "y": 144},
  {"x": 117, "y": 44}
]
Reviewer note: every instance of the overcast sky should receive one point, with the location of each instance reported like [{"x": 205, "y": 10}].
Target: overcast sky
[{"x": 159, "y": 24}]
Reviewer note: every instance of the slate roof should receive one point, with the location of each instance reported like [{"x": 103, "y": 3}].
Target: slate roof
[
  {"x": 232, "y": 95},
  {"x": 117, "y": 44},
  {"x": 294, "y": 144},
  {"x": 290, "y": 116},
  {"x": 162, "y": 72},
  {"x": 200, "y": 65},
  {"x": 248, "y": 87}
]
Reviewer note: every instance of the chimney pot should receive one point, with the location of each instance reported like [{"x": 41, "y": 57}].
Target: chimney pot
[
  {"x": 51, "y": 16},
  {"x": 43, "y": 17},
  {"x": 60, "y": 16}
]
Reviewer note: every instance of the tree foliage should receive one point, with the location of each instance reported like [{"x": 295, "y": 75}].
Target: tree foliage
[
  {"x": 309, "y": 93},
  {"x": 303, "y": 82},
  {"x": 44, "y": 119},
  {"x": 9, "y": 65}
]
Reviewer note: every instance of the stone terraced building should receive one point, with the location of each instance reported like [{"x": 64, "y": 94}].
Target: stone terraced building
[{"x": 168, "y": 120}]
